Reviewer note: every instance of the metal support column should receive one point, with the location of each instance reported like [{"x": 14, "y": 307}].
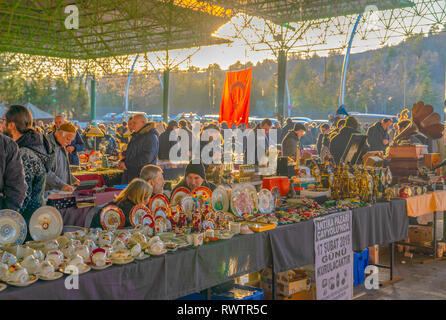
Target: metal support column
[
  {"x": 166, "y": 95},
  {"x": 346, "y": 59},
  {"x": 281, "y": 79},
  {"x": 128, "y": 88},
  {"x": 93, "y": 99}
]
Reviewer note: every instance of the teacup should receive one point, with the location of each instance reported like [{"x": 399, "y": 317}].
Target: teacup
[
  {"x": 108, "y": 249},
  {"x": 90, "y": 244},
  {"x": 99, "y": 257},
  {"x": 68, "y": 251},
  {"x": 76, "y": 261},
  {"x": 124, "y": 236},
  {"x": 70, "y": 235},
  {"x": 38, "y": 254},
  {"x": 18, "y": 274},
  {"x": 153, "y": 239},
  {"x": 51, "y": 245},
  {"x": 75, "y": 243},
  {"x": 4, "y": 271},
  {"x": 55, "y": 258},
  {"x": 157, "y": 246},
  {"x": 46, "y": 269},
  {"x": 135, "y": 249},
  {"x": 8, "y": 258},
  {"x": 21, "y": 252},
  {"x": 31, "y": 264},
  {"x": 235, "y": 227},
  {"x": 105, "y": 239},
  {"x": 118, "y": 244},
  {"x": 83, "y": 251},
  {"x": 138, "y": 237},
  {"x": 120, "y": 255},
  {"x": 62, "y": 240},
  {"x": 198, "y": 239}
]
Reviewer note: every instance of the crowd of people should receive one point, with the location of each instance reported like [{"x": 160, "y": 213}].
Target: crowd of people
[{"x": 36, "y": 157}]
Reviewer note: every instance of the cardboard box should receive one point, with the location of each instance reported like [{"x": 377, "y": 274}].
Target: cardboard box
[
  {"x": 421, "y": 234},
  {"x": 309, "y": 294},
  {"x": 374, "y": 254},
  {"x": 288, "y": 282}
]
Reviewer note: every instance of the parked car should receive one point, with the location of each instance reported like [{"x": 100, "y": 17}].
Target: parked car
[
  {"x": 369, "y": 118},
  {"x": 301, "y": 119},
  {"x": 188, "y": 116}
]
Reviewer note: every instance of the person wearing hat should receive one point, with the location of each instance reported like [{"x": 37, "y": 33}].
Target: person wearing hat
[
  {"x": 59, "y": 176},
  {"x": 194, "y": 176},
  {"x": 75, "y": 146},
  {"x": 339, "y": 142},
  {"x": 292, "y": 142}
]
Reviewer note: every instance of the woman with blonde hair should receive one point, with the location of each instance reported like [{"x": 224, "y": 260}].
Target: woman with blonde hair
[{"x": 137, "y": 192}]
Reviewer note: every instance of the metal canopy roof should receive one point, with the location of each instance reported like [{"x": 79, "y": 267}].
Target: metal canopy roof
[
  {"x": 107, "y": 27},
  {"x": 285, "y": 11}
]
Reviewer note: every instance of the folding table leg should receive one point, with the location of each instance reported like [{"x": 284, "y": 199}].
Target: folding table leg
[
  {"x": 435, "y": 235},
  {"x": 273, "y": 284}
]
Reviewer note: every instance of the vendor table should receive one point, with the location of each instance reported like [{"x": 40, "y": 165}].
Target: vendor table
[
  {"x": 159, "y": 277},
  {"x": 109, "y": 177}
]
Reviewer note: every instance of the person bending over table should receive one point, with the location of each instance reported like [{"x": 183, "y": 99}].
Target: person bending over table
[
  {"x": 154, "y": 176},
  {"x": 194, "y": 176},
  {"x": 137, "y": 192}
]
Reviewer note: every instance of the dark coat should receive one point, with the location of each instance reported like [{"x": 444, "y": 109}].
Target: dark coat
[
  {"x": 375, "y": 136},
  {"x": 183, "y": 183},
  {"x": 79, "y": 146},
  {"x": 165, "y": 145},
  {"x": 142, "y": 150},
  {"x": 109, "y": 143},
  {"x": 339, "y": 142},
  {"x": 285, "y": 129},
  {"x": 35, "y": 160},
  {"x": 126, "y": 206},
  {"x": 12, "y": 176},
  {"x": 322, "y": 140},
  {"x": 290, "y": 144}
]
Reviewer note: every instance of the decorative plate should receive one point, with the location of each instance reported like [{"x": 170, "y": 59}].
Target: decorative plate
[
  {"x": 56, "y": 275},
  {"x": 112, "y": 218},
  {"x": 188, "y": 205},
  {"x": 12, "y": 227},
  {"x": 203, "y": 190},
  {"x": 46, "y": 223},
  {"x": 228, "y": 216},
  {"x": 178, "y": 195},
  {"x": 241, "y": 201},
  {"x": 208, "y": 224},
  {"x": 160, "y": 212},
  {"x": 220, "y": 199},
  {"x": 158, "y": 200},
  {"x": 162, "y": 224},
  {"x": 137, "y": 214},
  {"x": 266, "y": 201},
  {"x": 148, "y": 220},
  {"x": 31, "y": 280}
]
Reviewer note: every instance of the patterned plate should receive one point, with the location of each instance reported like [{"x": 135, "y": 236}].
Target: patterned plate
[
  {"x": 162, "y": 224},
  {"x": 12, "y": 227},
  {"x": 188, "y": 205},
  {"x": 266, "y": 201},
  {"x": 178, "y": 195},
  {"x": 137, "y": 214},
  {"x": 158, "y": 200},
  {"x": 242, "y": 201},
  {"x": 203, "y": 190},
  {"x": 208, "y": 224},
  {"x": 220, "y": 199},
  {"x": 112, "y": 218},
  {"x": 148, "y": 220},
  {"x": 46, "y": 223},
  {"x": 160, "y": 212}
]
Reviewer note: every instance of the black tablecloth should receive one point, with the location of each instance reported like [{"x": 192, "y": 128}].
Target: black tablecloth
[{"x": 190, "y": 270}]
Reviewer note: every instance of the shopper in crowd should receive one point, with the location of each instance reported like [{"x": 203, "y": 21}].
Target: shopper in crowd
[
  {"x": 35, "y": 157},
  {"x": 265, "y": 125},
  {"x": 154, "y": 176},
  {"x": 323, "y": 141},
  {"x": 377, "y": 135},
  {"x": 59, "y": 177},
  {"x": 107, "y": 143},
  {"x": 136, "y": 193},
  {"x": 339, "y": 124},
  {"x": 165, "y": 143},
  {"x": 289, "y": 125},
  {"x": 291, "y": 144},
  {"x": 120, "y": 133},
  {"x": 339, "y": 142},
  {"x": 194, "y": 177},
  {"x": 142, "y": 149},
  {"x": 77, "y": 145},
  {"x": 184, "y": 125}
]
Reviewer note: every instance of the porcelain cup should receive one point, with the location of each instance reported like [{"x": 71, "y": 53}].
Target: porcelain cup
[
  {"x": 83, "y": 251},
  {"x": 135, "y": 250},
  {"x": 31, "y": 264},
  {"x": 55, "y": 258},
  {"x": 76, "y": 261},
  {"x": 18, "y": 274},
  {"x": 3, "y": 271},
  {"x": 46, "y": 269},
  {"x": 99, "y": 257},
  {"x": 8, "y": 258},
  {"x": 68, "y": 251}
]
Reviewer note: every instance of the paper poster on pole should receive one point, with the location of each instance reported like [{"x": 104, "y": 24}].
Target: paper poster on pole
[{"x": 333, "y": 256}]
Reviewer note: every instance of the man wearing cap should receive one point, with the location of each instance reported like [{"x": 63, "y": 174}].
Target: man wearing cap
[
  {"x": 59, "y": 177},
  {"x": 194, "y": 176},
  {"x": 292, "y": 141},
  {"x": 75, "y": 146}
]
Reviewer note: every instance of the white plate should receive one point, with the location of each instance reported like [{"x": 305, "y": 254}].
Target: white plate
[
  {"x": 157, "y": 253},
  {"x": 55, "y": 276},
  {"x": 31, "y": 280},
  {"x": 122, "y": 261},
  {"x": 82, "y": 270},
  {"x": 46, "y": 223},
  {"x": 108, "y": 264},
  {"x": 220, "y": 199},
  {"x": 2, "y": 287},
  {"x": 12, "y": 227}
]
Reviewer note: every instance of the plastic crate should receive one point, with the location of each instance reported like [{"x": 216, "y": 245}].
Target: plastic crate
[
  {"x": 360, "y": 262},
  {"x": 257, "y": 294}
]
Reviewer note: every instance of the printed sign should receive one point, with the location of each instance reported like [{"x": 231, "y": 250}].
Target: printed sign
[{"x": 333, "y": 256}]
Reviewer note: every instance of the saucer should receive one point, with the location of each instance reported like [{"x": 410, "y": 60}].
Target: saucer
[
  {"x": 2, "y": 287},
  {"x": 142, "y": 256},
  {"x": 94, "y": 267},
  {"x": 56, "y": 275},
  {"x": 84, "y": 268},
  {"x": 31, "y": 280},
  {"x": 122, "y": 261},
  {"x": 157, "y": 253}
]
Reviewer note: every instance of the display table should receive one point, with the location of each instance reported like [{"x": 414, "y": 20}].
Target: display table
[
  {"x": 160, "y": 277},
  {"x": 109, "y": 177}
]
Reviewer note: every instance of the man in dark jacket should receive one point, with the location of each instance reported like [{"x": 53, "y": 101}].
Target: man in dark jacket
[
  {"x": 322, "y": 139},
  {"x": 165, "y": 143},
  {"x": 12, "y": 176},
  {"x": 289, "y": 125},
  {"x": 194, "y": 177},
  {"x": 34, "y": 156},
  {"x": 291, "y": 142},
  {"x": 183, "y": 124},
  {"x": 339, "y": 142},
  {"x": 377, "y": 135},
  {"x": 77, "y": 145},
  {"x": 142, "y": 149}
]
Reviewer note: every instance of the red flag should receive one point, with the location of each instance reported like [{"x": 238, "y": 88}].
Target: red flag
[{"x": 235, "y": 100}]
